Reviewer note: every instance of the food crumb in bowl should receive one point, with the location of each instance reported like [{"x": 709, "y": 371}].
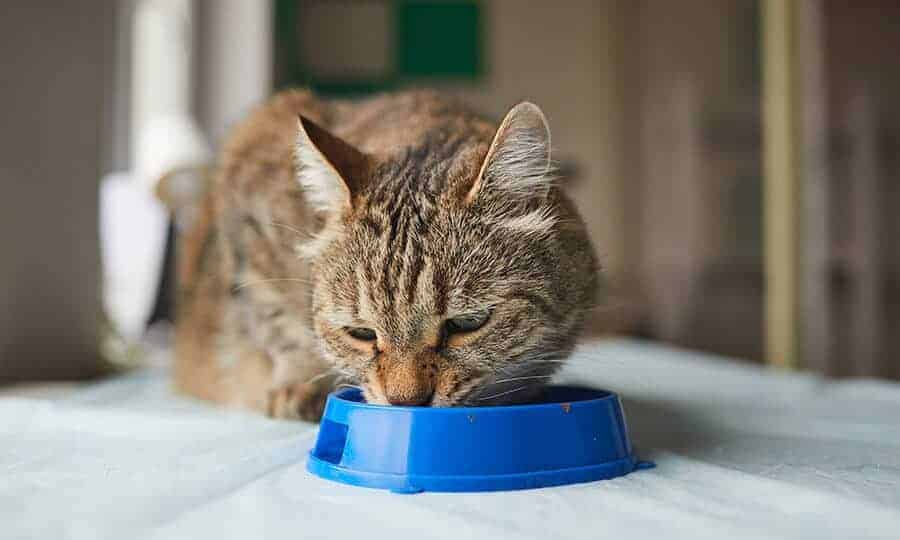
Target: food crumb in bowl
[{"x": 566, "y": 407}]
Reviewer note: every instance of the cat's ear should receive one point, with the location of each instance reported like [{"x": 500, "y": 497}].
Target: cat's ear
[
  {"x": 518, "y": 161},
  {"x": 329, "y": 169}
]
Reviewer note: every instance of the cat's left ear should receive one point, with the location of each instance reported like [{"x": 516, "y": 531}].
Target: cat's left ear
[
  {"x": 330, "y": 170},
  {"x": 518, "y": 161}
]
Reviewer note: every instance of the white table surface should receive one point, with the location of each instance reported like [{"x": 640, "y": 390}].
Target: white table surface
[{"x": 742, "y": 452}]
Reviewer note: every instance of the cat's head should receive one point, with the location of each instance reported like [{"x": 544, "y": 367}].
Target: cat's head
[{"x": 451, "y": 273}]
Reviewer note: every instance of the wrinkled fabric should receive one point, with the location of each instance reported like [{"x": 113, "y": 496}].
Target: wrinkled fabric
[{"x": 741, "y": 452}]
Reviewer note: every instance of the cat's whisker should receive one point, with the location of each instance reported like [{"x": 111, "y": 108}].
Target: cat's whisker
[
  {"x": 288, "y": 227},
  {"x": 492, "y": 396},
  {"x": 525, "y": 378},
  {"x": 320, "y": 376},
  {"x": 270, "y": 280},
  {"x": 348, "y": 385}
]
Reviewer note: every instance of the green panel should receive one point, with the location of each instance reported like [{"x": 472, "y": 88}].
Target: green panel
[
  {"x": 288, "y": 72},
  {"x": 439, "y": 39},
  {"x": 349, "y": 88}
]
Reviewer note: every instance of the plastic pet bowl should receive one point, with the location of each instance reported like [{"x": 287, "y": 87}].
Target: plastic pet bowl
[{"x": 571, "y": 435}]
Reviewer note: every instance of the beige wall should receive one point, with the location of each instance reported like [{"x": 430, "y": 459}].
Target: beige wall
[
  {"x": 679, "y": 55},
  {"x": 55, "y": 86}
]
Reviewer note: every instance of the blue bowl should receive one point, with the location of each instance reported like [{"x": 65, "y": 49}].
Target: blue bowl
[{"x": 571, "y": 435}]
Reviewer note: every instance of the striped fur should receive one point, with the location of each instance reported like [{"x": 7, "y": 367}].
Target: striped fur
[{"x": 396, "y": 213}]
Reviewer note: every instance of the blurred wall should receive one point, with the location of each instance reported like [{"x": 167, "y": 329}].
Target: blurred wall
[
  {"x": 693, "y": 168},
  {"x": 56, "y": 59}
]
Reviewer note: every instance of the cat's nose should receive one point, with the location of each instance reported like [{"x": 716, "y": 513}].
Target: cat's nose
[{"x": 405, "y": 382}]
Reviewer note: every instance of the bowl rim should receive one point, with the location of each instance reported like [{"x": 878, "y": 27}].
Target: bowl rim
[{"x": 340, "y": 397}]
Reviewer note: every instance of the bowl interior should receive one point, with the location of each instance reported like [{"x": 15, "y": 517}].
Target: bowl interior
[{"x": 550, "y": 395}]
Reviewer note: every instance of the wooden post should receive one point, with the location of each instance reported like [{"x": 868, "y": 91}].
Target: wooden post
[{"x": 780, "y": 165}]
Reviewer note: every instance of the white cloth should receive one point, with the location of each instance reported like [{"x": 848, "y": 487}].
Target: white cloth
[
  {"x": 741, "y": 452},
  {"x": 131, "y": 270}
]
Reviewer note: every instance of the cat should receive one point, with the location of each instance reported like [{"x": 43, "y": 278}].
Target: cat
[{"x": 400, "y": 243}]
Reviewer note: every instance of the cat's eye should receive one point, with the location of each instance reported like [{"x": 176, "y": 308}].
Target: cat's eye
[
  {"x": 466, "y": 323},
  {"x": 362, "y": 334}
]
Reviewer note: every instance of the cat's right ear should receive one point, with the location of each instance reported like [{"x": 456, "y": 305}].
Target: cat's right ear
[
  {"x": 517, "y": 164},
  {"x": 329, "y": 169}
]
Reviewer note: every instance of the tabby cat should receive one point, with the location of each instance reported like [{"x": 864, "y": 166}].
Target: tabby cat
[{"x": 402, "y": 244}]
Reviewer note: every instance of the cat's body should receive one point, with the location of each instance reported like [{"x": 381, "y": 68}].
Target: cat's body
[{"x": 389, "y": 242}]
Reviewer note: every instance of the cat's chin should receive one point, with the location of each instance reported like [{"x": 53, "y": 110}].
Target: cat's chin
[
  {"x": 443, "y": 402},
  {"x": 524, "y": 396},
  {"x": 372, "y": 398}
]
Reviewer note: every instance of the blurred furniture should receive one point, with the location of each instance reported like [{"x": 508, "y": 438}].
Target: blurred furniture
[
  {"x": 759, "y": 152},
  {"x": 829, "y": 69}
]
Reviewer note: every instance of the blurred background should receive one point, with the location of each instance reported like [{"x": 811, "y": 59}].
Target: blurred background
[{"x": 736, "y": 160}]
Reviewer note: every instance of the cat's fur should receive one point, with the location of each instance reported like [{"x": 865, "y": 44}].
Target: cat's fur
[{"x": 395, "y": 214}]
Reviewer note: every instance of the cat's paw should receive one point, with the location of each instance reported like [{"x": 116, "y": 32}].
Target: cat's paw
[{"x": 298, "y": 401}]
